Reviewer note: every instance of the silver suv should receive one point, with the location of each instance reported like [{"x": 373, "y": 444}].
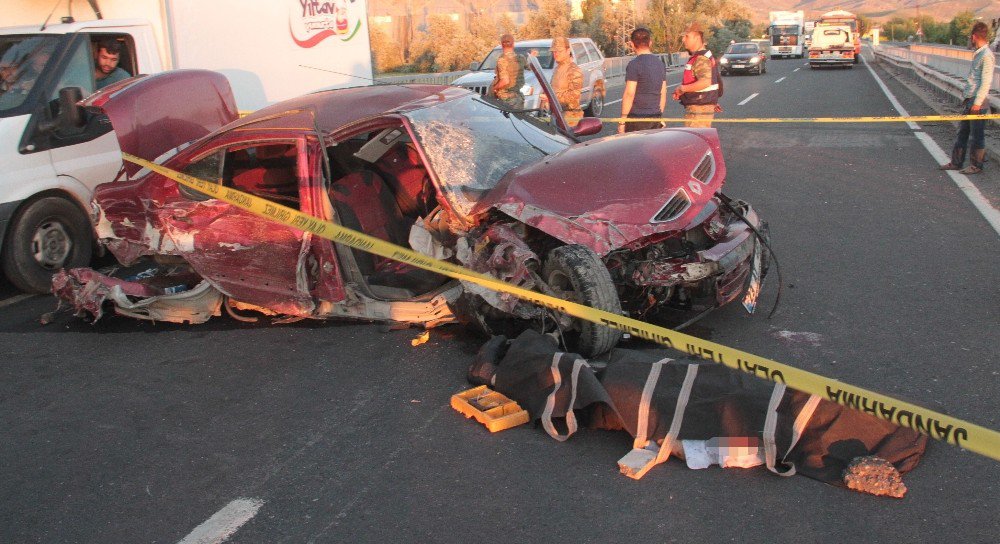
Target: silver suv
[{"x": 585, "y": 54}]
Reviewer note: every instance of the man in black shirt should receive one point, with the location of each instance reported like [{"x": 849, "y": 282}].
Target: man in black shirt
[{"x": 645, "y": 85}]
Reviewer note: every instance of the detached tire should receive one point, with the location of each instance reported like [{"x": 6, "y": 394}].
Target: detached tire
[
  {"x": 577, "y": 274},
  {"x": 48, "y": 234}
]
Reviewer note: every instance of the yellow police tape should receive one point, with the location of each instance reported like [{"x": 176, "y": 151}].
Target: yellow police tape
[
  {"x": 913, "y": 119},
  {"x": 935, "y": 425}
]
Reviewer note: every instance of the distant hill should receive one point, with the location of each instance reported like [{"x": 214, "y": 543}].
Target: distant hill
[{"x": 880, "y": 10}]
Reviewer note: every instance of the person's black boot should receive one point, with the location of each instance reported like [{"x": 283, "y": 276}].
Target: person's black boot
[
  {"x": 976, "y": 160},
  {"x": 957, "y": 159}
]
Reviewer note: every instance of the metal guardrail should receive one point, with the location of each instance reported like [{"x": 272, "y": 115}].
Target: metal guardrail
[
  {"x": 942, "y": 59},
  {"x": 440, "y": 78},
  {"x": 614, "y": 67}
]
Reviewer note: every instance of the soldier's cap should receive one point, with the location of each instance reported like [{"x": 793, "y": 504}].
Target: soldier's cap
[
  {"x": 507, "y": 39},
  {"x": 695, "y": 27}
]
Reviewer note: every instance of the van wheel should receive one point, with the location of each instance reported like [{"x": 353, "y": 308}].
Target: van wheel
[
  {"x": 48, "y": 234},
  {"x": 577, "y": 274},
  {"x": 596, "y": 107}
]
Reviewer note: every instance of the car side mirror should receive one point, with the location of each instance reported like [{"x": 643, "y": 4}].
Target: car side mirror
[
  {"x": 588, "y": 126},
  {"x": 473, "y": 66}
]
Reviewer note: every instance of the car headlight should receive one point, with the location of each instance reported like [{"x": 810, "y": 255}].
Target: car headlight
[
  {"x": 754, "y": 60},
  {"x": 527, "y": 90},
  {"x": 723, "y": 60}
]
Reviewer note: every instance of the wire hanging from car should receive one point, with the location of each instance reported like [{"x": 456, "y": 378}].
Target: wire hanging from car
[{"x": 728, "y": 203}]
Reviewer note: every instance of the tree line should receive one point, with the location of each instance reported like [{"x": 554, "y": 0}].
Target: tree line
[{"x": 444, "y": 44}]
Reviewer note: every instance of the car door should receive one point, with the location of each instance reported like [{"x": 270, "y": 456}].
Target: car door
[
  {"x": 253, "y": 260},
  {"x": 88, "y": 154}
]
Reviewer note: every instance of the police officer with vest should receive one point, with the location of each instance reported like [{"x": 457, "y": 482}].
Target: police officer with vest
[
  {"x": 701, "y": 85},
  {"x": 510, "y": 75}
]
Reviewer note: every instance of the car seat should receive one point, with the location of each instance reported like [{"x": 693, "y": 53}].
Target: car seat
[
  {"x": 404, "y": 171},
  {"x": 364, "y": 202}
]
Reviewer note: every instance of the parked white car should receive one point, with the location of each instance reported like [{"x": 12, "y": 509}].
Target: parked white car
[{"x": 584, "y": 52}]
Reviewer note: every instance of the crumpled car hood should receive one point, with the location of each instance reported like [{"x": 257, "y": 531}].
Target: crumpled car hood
[{"x": 604, "y": 193}]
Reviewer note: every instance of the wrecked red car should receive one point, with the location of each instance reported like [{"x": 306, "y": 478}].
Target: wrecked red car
[{"x": 626, "y": 223}]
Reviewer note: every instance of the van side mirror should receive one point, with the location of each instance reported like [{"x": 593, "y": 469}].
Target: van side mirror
[
  {"x": 473, "y": 66},
  {"x": 71, "y": 114}
]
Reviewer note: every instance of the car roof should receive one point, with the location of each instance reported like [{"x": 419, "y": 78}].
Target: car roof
[
  {"x": 546, "y": 42},
  {"x": 339, "y": 107},
  {"x": 69, "y": 28}
]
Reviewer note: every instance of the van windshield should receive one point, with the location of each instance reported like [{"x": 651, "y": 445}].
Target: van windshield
[
  {"x": 22, "y": 63},
  {"x": 543, "y": 53}
]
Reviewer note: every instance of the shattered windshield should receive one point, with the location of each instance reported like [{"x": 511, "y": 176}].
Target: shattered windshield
[
  {"x": 471, "y": 144},
  {"x": 22, "y": 61}
]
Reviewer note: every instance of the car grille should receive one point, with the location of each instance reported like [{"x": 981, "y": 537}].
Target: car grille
[
  {"x": 479, "y": 89},
  {"x": 677, "y": 205},
  {"x": 705, "y": 169}
]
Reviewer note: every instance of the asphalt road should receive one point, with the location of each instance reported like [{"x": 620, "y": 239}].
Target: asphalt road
[{"x": 126, "y": 431}]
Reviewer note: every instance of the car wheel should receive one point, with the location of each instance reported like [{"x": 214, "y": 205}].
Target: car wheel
[
  {"x": 596, "y": 107},
  {"x": 577, "y": 274},
  {"x": 47, "y": 235}
]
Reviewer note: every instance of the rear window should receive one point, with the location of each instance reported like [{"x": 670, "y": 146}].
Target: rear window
[
  {"x": 580, "y": 54},
  {"x": 592, "y": 49}
]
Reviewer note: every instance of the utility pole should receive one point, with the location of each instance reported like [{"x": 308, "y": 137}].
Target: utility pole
[{"x": 625, "y": 11}]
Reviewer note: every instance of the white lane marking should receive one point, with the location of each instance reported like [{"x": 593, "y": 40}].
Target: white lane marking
[
  {"x": 991, "y": 214},
  {"x": 224, "y": 523},
  {"x": 779, "y": 80},
  {"x": 15, "y": 299},
  {"x": 747, "y": 99},
  {"x": 796, "y": 70}
]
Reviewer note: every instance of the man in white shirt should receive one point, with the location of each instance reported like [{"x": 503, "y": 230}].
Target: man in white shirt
[{"x": 975, "y": 102}]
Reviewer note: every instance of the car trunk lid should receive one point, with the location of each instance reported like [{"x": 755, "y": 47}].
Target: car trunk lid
[{"x": 178, "y": 106}]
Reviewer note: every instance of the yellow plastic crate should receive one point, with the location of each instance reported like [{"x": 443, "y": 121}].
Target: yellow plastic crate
[{"x": 490, "y": 408}]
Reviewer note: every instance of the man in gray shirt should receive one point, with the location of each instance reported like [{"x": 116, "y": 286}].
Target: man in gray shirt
[
  {"x": 645, "y": 85},
  {"x": 975, "y": 102}
]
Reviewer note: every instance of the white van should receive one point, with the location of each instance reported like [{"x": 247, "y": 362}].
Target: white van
[{"x": 52, "y": 157}]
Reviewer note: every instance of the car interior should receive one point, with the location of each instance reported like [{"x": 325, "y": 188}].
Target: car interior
[
  {"x": 380, "y": 187},
  {"x": 268, "y": 171}
]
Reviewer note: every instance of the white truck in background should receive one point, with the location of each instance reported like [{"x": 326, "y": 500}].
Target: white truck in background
[
  {"x": 786, "y": 32},
  {"x": 53, "y": 157}
]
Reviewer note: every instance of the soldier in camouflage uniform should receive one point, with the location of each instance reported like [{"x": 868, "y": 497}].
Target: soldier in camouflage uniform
[
  {"x": 510, "y": 75},
  {"x": 701, "y": 85},
  {"x": 567, "y": 81}
]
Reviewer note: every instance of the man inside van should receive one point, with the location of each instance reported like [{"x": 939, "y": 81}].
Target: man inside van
[{"x": 106, "y": 57}]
